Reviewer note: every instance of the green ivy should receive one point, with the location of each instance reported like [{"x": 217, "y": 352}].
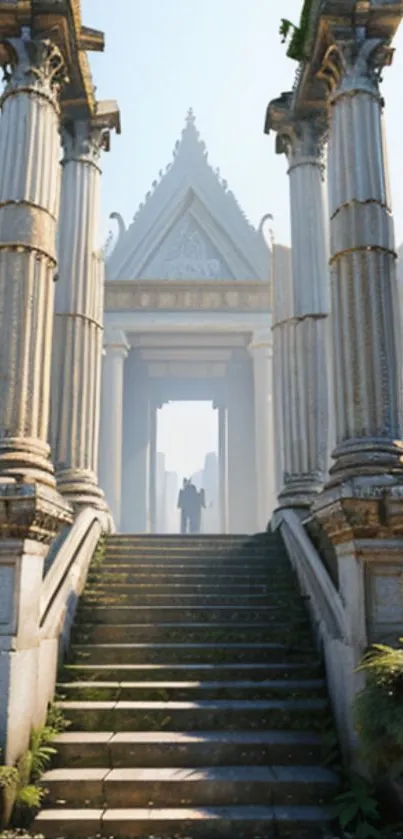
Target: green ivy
[{"x": 298, "y": 34}]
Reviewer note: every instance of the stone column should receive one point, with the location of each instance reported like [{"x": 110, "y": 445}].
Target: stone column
[
  {"x": 365, "y": 311},
  {"x": 223, "y": 466},
  {"x": 153, "y": 469},
  {"x": 29, "y": 204},
  {"x": 111, "y": 432},
  {"x": 241, "y": 446},
  {"x": 79, "y": 317},
  {"x": 261, "y": 349},
  {"x": 136, "y": 447},
  {"x": 306, "y": 421}
]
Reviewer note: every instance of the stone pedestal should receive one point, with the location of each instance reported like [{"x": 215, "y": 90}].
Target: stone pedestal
[
  {"x": 261, "y": 349},
  {"x": 305, "y": 307},
  {"x": 79, "y": 317},
  {"x": 111, "y": 428},
  {"x": 136, "y": 447}
]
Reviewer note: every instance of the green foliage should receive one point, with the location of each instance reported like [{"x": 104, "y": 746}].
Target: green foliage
[
  {"x": 378, "y": 711},
  {"x": 21, "y": 793},
  {"x": 56, "y": 722},
  {"x": 8, "y": 777},
  {"x": 358, "y": 809},
  {"x": 297, "y": 45}
]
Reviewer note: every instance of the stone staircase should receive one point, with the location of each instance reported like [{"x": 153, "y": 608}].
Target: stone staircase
[{"x": 195, "y": 696}]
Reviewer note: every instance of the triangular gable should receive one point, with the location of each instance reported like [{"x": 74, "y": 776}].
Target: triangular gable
[{"x": 190, "y": 197}]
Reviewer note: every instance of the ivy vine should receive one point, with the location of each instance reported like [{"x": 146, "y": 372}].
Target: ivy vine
[{"x": 297, "y": 35}]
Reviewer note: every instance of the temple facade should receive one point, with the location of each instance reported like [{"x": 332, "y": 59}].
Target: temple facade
[{"x": 188, "y": 317}]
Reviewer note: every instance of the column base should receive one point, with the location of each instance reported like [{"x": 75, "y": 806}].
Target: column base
[
  {"x": 369, "y": 456},
  {"x": 300, "y": 491},
  {"x": 25, "y": 458},
  {"x": 81, "y": 490}
]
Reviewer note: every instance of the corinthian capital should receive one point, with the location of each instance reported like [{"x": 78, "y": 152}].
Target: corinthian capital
[
  {"x": 35, "y": 63},
  {"x": 298, "y": 139},
  {"x": 355, "y": 64},
  {"x": 84, "y": 140}
]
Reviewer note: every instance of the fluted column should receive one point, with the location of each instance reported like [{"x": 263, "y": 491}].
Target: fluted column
[
  {"x": 111, "y": 427},
  {"x": 29, "y": 203},
  {"x": 307, "y": 332},
  {"x": 365, "y": 311},
  {"x": 261, "y": 349},
  {"x": 78, "y": 318}
]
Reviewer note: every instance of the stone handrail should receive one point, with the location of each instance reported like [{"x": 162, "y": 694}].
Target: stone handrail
[
  {"x": 62, "y": 586},
  {"x": 66, "y": 576},
  {"x": 330, "y": 625},
  {"x": 313, "y": 576}
]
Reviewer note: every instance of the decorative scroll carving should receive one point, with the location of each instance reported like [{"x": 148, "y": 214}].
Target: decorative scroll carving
[{"x": 187, "y": 258}]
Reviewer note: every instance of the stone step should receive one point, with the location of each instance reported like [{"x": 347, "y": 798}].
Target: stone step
[
  {"x": 193, "y": 632},
  {"x": 151, "y": 555},
  {"x": 107, "y": 597},
  {"x": 266, "y": 590},
  {"x": 310, "y": 669},
  {"x": 208, "y": 565},
  {"x": 106, "y": 615},
  {"x": 182, "y": 749},
  {"x": 212, "y": 786},
  {"x": 190, "y": 577},
  {"x": 231, "y": 822},
  {"x": 200, "y": 715},
  {"x": 190, "y": 691},
  {"x": 197, "y": 653}
]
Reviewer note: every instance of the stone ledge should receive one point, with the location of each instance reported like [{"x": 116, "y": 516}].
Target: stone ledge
[{"x": 29, "y": 511}]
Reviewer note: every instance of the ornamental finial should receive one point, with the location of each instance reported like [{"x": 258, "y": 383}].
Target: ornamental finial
[{"x": 190, "y": 117}]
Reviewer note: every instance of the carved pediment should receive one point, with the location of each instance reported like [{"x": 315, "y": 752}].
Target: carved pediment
[{"x": 186, "y": 254}]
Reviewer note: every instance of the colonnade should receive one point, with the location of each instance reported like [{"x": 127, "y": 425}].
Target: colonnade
[
  {"x": 128, "y": 451},
  {"x": 37, "y": 276},
  {"x": 350, "y": 362}
]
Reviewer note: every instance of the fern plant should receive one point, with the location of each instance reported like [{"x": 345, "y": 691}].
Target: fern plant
[
  {"x": 358, "y": 809},
  {"x": 378, "y": 711}
]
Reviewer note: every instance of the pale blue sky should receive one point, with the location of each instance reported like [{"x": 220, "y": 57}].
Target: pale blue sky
[{"x": 225, "y": 59}]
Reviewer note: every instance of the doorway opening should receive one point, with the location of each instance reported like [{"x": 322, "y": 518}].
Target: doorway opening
[{"x": 187, "y": 447}]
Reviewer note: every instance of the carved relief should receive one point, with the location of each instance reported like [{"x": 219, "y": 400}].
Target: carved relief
[
  {"x": 387, "y": 593},
  {"x": 150, "y": 296},
  {"x": 188, "y": 258}
]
